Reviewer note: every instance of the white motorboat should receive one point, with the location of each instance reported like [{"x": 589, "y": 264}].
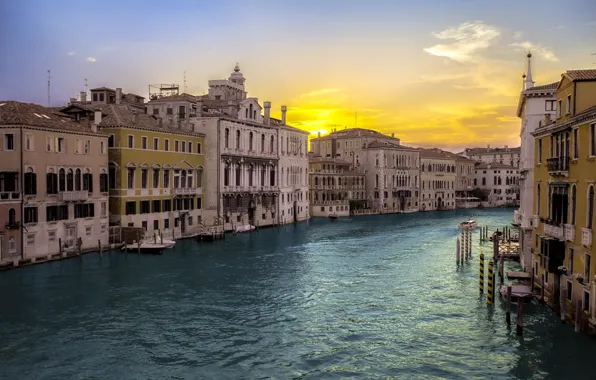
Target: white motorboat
[
  {"x": 159, "y": 240},
  {"x": 152, "y": 248},
  {"x": 468, "y": 224},
  {"x": 245, "y": 228}
]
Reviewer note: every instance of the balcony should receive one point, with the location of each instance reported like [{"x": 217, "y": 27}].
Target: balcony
[
  {"x": 558, "y": 166},
  {"x": 554, "y": 231},
  {"x": 526, "y": 222},
  {"x": 586, "y": 237},
  {"x": 186, "y": 190},
  {"x": 73, "y": 196},
  {"x": 9, "y": 196},
  {"x": 570, "y": 232}
]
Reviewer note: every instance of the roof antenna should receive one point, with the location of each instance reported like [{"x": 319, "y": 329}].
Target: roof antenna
[
  {"x": 185, "y": 81},
  {"x": 49, "y": 77},
  {"x": 86, "y": 86}
]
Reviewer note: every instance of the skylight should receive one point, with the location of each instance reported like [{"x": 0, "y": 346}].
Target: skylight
[
  {"x": 1, "y": 104},
  {"x": 38, "y": 115},
  {"x": 47, "y": 117}
]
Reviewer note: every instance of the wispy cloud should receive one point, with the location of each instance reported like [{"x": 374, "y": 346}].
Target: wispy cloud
[
  {"x": 71, "y": 53},
  {"x": 320, "y": 92},
  {"x": 91, "y": 59},
  {"x": 591, "y": 23},
  {"x": 468, "y": 38},
  {"x": 542, "y": 51},
  {"x": 518, "y": 35}
]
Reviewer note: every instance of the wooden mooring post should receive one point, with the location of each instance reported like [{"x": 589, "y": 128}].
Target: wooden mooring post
[
  {"x": 60, "y": 246},
  {"x": 508, "y": 306},
  {"x": 490, "y": 289},
  {"x": 99, "y": 248},
  {"x": 457, "y": 251},
  {"x": 520, "y": 317},
  {"x": 481, "y": 276},
  {"x": 578, "y": 315},
  {"x": 542, "y": 289},
  {"x": 563, "y": 306}
]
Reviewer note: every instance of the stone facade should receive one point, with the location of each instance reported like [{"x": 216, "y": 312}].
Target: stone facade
[
  {"x": 437, "y": 180},
  {"x": 499, "y": 181}
]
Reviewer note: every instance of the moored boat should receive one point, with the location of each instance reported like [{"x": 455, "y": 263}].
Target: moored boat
[
  {"x": 151, "y": 248},
  {"x": 159, "y": 240},
  {"x": 332, "y": 216},
  {"x": 245, "y": 228},
  {"x": 468, "y": 224}
]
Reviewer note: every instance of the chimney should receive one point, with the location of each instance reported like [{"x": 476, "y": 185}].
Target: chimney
[
  {"x": 547, "y": 119},
  {"x": 392, "y": 134},
  {"x": 159, "y": 121},
  {"x": 506, "y": 147},
  {"x": 488, "y": 146},
  {"x": 267, "y": 106},
  {"x": 319, "y": 135},
  {"x": 284, "y": 109},
  {"x": 118, "y": 95},
  {"x": 134, "y": 118},
  {"x": 83, "y": 97},
  {"x": 96, "y": 121}
]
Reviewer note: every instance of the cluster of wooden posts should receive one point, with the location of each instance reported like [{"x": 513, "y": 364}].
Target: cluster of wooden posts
[{"x": 463, "y": 250}]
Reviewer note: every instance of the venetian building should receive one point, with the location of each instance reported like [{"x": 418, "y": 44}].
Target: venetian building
[{"x": 437, "y": 179}]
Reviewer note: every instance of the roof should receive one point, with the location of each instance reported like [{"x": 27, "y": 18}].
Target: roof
[
  {"x": 492, "y": 150},
  {"x": 35, "y": 115},
  {"x": 436, "y": 153},
  {"x": 357, "y": 132},
  {"x": 586, "y": 115},
  {"x": 388, "y": 145},
  {"x": 461, "y": 158},
  {"x": 550, "y": 86},
  {"x": 103, "y": 88},
  {"x": 493, "y": 165},
  {"x": 175, "y": 98},
  {"x": 580, "y": 75}
]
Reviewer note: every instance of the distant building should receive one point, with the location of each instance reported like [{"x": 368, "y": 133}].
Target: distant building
[
  {"x": 333, "y": 184},
  {"x": 437, "y": 179},
  {"x": 506, "y": 155},
  {"x": 535, "y": 104},
  {"x": 391, "y": 169},
  {"x": 53, "y": 183},
  {"x": 565, "y": 185},
  {"x": 499, "y": 181}
]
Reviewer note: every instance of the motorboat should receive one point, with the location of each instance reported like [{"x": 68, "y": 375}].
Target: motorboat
[
  {"x": 332, "y": 216},
  {"x": 166, "y": 242},
  {"x": 468, "y": 224},
  {"x": 145, "y": 247},
  {"x": 245, "y": 228}
]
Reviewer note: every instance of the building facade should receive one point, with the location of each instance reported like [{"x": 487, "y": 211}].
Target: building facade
[
  {"x": 437, "y": 180},
  {"x": 333, "y": 184},
  {"x": 534, "y": 103},
  {"x": 499, "y": 182},
  {"x": 506, "y": 155},
  {"x": 565, "y": 183},
  {"x": 155, "y": 168},
  {"x": 53, "y": 184}
]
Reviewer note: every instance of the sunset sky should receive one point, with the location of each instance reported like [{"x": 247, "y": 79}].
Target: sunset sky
[{"x": 443, "y": 73}]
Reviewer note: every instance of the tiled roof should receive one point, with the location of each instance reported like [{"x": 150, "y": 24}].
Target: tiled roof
[
  {"x": 122, "y": 116},
  {"x": 494, "y": 165},
  {"x": 587, "y": 114},
  {"x": 550, "y": 86},
  {"x": 102, "y": 89},
  {"x": 579, "y": 75},
  {"x": 436, "y": 153},
  {"x": 492, "y": 150},
  {"x": 176, "y": 98},
  {"x": 17, "y": 113},
  {"x": 357, "y": 132},
  {"x": 384, "y": 144}
]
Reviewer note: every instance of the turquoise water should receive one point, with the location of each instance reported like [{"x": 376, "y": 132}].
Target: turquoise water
[{"x": 371, "y": 297}]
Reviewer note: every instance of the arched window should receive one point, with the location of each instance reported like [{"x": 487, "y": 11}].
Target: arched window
[
  {"x": 237, "y": 139},
  {"x": 227, "y": 138},
  {"x": 189, "y": 180},
  {"x": 77, "y": 180},
  {"x": 88, "y": 181},
  {"x": 250, "y": 141},
  {"x": 376, "y": 180},
  {"x": 272, "y": 143},
  {"x": 263, "y": 142},
  {"x": 62, "y": 179},
  {"x": 30, "y": 182},
  {"x": 227, "y": 175},
  {"x": 12, "y": 216},
  {"x": 272, "y": 177},
  {"x": 103, "y": 181},
  {"x": 250, "y": 110},
  {"x": 263, "y": 175},
  {"x": 183, "y": 179},
  {"x": 238, "y": 174},
  {"x": 316, "y": 181},
  {"x": 51, "y": 182},
  {"x": 69, "y": 180},
  {"x": 590, "y": 221},
  {"x": 251, "y": 172}
]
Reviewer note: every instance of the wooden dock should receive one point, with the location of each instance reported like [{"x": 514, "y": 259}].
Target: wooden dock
[
  {"x": 523, "y": 292},
  {"x": 519, "y": 276}
]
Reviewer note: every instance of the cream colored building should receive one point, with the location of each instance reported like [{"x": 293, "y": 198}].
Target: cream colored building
[
  {"x": 65, "y": 175},
  {"x": 499, "y": 181},
  {"x": 506, "y": 155},
  {"x": 437, "y": 179}
]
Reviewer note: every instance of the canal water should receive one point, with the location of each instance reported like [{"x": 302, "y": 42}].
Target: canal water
[{"x": 369, "y": 297}]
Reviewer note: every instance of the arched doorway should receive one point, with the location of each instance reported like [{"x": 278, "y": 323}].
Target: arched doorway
[
  {"x": 295, "y": 211},
  {"x": 439, "y": 203}
]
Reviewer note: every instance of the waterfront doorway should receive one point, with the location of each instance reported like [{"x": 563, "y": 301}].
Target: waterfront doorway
[
  {"x": 71, "y": 233},
  {"x": 295, "y": 212},
  {"x": 182, "y": 224},
  {"x": 251, "y": 212},
  {"x": 439, "y": 203}
]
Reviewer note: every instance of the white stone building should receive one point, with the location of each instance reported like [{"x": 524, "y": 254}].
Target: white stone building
[
  {"x": 499, "y": 181},
  {"x": 506, "y": 155},
  {"x": 437, "y": 180},
  {"x": 534, "y": 103},
  {"x": 255, "y": 166},
  {"x": 391, "y": 169}
]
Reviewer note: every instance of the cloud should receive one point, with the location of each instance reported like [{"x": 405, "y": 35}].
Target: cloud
[
  {"x": 469, "y": 37},
  {"x": 91, "y": 59},
  {"x": 518, "y": 35},
  {"x": 71, "y": 53},
  {"x": 320, "y": 92},
  {"x": 561, "y": 27},
  {"x": 542, "y": 51}
]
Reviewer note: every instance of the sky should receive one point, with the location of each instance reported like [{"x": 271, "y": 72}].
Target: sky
[{"x": 444, "y": 73}]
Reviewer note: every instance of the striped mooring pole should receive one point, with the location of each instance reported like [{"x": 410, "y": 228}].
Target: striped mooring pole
[
  {"x": 481, "y": 273},
  {"x": 490, "y": 289}
]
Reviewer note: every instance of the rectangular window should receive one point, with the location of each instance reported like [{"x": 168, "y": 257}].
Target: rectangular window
[
  {"x": 88, "y": 230},
  {"x": 155, "y": 178},
  {"x": 169, "y": 111},
  {"x": 593, "y": 140},
  {"x": 166, "y": 145},
  {"x": 166, "y": 223},
  {"x": 104, "y": 209},
  {"x": 87, "y": 146},
  {"x": 49, "y": 144},
  {"x": 131, "y": 208},
  {"x": 84, "y": 210},
  {"x": 575, "y": 144},
  {"x": 145, "y": 207},
  {"x": 587, "y": 268},
  {"x": 190, "y": 147},
  {"x": 9, "y": 141},
  {"x": 30, "y": 214},
  {"x": 60, "y": 145},
  {"x": 167, "y": 205},
  {"x": 199, "y": 148},
  {"x": 102, "y": 147},
  {"x": 111, "y": 141},
  {"x": 144, "y": 174},
  {"x": 156, "y": 111},
  {"x": 101, "y": 97},
  {"x": 550, "y": 105},
  {"x": 131, "y": 141},
  {"x": 155, "y": 143},
  {"x": 166, "y": 179},
  {"x": 156, "y": 225},
  {"x": 183, "y": 146},
  {"x": 54, "y": 213},
  {"x": 568, "y": 106},
  {"x": 29, "y": 142},
  {"x": 176, "y": 145},
  {"x": 156, "y": 206},
  {"x": 539, "y": 150},
  {"x": 143, "y": 142},
  {"x": 131, "y": 178},
  {"x": 559, "y": 108}
]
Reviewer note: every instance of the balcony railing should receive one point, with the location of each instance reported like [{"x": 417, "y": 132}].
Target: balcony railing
[
  {"x": 554, "y": 231},
  {"x": 73, "y": 196},
  {"x": 570, "y": 232},
  {"x": 336, "y": 202},
  {"x": 186, "y": 190},
  {"x": 558, "y": 165},
  {"x": 586, "y": 237},
  {"x": 10, "y": 195}
]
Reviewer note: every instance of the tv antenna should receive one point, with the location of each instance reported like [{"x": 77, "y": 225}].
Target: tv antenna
[
  {"x": 86, "y": 86},
  {"x": 185, "y": 81},
  {"x": 49, "y": 77}
]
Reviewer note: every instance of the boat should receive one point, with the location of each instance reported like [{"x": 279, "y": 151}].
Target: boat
[
  {"x": 332, "y": 216},
  {"x": 151, "y": 248},
  {"x": 167, "y": 242},
  {"x": 468, "y": 224},
  {"x": 245, "y": 228}
]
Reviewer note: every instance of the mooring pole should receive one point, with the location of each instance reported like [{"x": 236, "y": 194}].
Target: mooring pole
[
  {"x": 481, "y": 276},
  {"x": 520, "y": 317},
  {"x": 491, "y": 276},
  {"x": 563, "y": 303},
  {"x": 508, "y": 310},
  {"x": 457, "y": 243}
]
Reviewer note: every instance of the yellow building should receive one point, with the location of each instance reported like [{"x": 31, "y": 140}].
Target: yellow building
[
  {"x": 155, "y": 168},
  {"x": 564, "y": 184}
]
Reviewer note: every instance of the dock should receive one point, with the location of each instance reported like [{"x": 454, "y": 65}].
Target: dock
[
  {"x": 518, "y": 276},
  {"x": 518, "y": 292}
]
